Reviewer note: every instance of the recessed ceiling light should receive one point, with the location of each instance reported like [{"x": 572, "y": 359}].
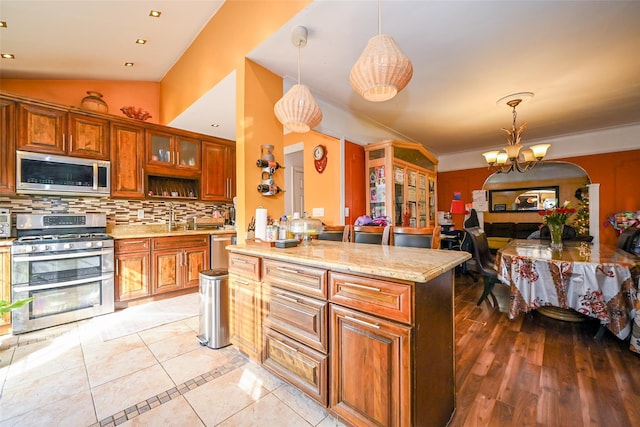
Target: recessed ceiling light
[
  {"x": 215, "y": 125},
  {"x": 7, "y": 56},
  {"x": 128, "y": 64},
  {"x": 141, "y": 41},
  {"x": 3, "y": 24},
  {"x": 155, "y": 13}
]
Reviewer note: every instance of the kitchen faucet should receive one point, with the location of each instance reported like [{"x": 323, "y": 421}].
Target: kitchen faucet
[{"x": 170, "y": 225}]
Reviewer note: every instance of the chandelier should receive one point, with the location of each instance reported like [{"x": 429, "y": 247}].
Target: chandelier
[
  {"x": 510, "y": 159},
  {"x": 382, "y": 70},
  {"x": 297, "y": 110}
]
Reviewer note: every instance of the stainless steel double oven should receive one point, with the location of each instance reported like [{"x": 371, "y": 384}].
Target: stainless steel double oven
[{"x": 64, "y": 261}]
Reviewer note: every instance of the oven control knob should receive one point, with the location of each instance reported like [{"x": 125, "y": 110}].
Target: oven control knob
[
  {"x": 89, "y": 244},
  {"x": 32, "y": 248},
  {"x": 45, "y": 248},
  {"x": 67, "y": 246},
  {"x": 99, "y": 244}
]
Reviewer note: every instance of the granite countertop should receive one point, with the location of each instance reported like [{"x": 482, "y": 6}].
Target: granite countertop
[
  {"x": 393, "y": 262},
  {"x": 158, "y": 230}
]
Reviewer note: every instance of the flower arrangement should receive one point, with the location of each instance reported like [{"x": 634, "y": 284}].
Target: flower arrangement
[{"x": 558, "y": 215}]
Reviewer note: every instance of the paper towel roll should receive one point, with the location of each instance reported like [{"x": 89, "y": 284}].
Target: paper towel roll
[{"x": 261, "y": 224}]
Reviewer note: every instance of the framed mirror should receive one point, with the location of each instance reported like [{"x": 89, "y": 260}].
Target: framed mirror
[{"x": 523, "y": 199}]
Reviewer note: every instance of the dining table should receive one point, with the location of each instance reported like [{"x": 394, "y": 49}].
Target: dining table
[{"x": 581, "y": 279}]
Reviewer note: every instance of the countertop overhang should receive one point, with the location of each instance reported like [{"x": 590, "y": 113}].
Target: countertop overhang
[
  {"x": 159, "y": 230},
  {"x": 394, "y": 262}
]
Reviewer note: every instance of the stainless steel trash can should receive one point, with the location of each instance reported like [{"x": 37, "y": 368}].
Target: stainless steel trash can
[{"x": 214, "y": 308}]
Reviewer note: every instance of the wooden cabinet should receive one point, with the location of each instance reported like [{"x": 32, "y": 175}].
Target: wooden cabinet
[
  {"x": 7, "y": 148},
  {"x": 218, "y": 171},
  {"x": 57, "y": 131},
  {"x": 127, "y": 150},
  {"x": 370, "y": 369},
  {"x": 132, "y": 262},
  {"x": 402, "y": 183},
  {"x": 245, "y": 307},
  {"x": 170, "y": 153},
  {"x": 178, "y": 261},
  {"x": 5, "y": 286}
]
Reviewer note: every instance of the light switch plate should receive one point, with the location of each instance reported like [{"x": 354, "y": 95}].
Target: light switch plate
[
  {"x": 316, "y": 212},
  {"x": 140, "y": 213}
]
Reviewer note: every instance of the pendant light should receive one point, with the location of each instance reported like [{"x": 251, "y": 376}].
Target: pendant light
[
  {"x": 297, "y": 110},
  {"x": 382, "y": 70}
]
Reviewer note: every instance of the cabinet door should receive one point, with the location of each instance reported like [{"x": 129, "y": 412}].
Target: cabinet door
[
  {"x": 195, "y": 260},
  {"x": 132, "y": 275},
  {"x": 167, "y": 270},
  {"x": 127, "y": 152},
  {"x": 187, "y": 153},
  {"x": 159, "y": 148},
  {"x": 42, "y": 129},
  {"x": 245, "y": 320},
  {"x": 215, "y": 184},
  {"x": 370, "y": 370},
  {"x": 7, "y": 148},
  {"x": 88, "y": 137},
  {"x": 5, "y": 287}
]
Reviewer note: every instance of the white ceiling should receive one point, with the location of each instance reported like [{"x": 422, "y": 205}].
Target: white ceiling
[{"x": 580, "y": 58}]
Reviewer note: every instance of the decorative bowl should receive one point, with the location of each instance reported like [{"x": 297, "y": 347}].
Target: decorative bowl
[{"x": 135, "y": 113}]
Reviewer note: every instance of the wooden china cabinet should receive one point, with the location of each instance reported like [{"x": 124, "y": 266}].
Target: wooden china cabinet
[{"x": 401, "y": 180}]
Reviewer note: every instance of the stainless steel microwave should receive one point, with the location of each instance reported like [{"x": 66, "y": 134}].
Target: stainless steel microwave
[{"x": 38, "y": 173}]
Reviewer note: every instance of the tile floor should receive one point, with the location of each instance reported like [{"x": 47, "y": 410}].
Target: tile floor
[{"x": 69, "y": 376}]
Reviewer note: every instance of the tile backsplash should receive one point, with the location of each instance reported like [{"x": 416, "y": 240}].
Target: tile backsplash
[{"x": 119, "y": 211}]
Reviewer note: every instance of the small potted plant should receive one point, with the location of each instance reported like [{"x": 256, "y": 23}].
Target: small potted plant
[{"x": 6, "y": 307}]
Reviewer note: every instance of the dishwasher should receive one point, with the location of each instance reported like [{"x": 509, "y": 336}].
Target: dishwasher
[{"x": 219, "y": 255}]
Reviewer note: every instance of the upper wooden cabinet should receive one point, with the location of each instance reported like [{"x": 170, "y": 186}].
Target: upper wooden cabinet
[
  {"x": 127, "y": 173},
  {"x": 171, "y": 154},
  {"x": 218, "y": 171},
  {"x": 7, "y": 148},
  {"x": 402, "y": 183},
  {"x": 57, "y": 131}
]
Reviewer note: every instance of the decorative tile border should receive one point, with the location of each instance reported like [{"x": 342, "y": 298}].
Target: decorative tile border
[{"x": 234, "y": 360}]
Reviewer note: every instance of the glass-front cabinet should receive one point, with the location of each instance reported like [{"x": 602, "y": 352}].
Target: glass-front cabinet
[
  {"x": 174, "y": 151},
  {"x": 402, "y": 183}
]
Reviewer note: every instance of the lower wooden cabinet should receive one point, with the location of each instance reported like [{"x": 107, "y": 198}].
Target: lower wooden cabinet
[
  {"x": 370, "y": 371},
  {"x": 5, "y": 286},
  {"x": 245, "y": 319},
  {"x": 178, "y": 261},
  {"x": 132, "y": 261}
]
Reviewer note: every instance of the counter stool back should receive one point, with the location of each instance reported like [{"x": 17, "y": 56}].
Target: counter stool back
[
  {"x": 370, "y": 234},
  {"x": 414, "y": 237},
  {"x": 336, "y": 233}
]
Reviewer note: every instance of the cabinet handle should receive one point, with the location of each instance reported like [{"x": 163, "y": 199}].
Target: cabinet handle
[
  {"x": 287, "y": 270},
  {"x": 177, "y": 156},
  {"x": 362, "y": 322},
  {"x": 288, "y": 346},
  {"x": 242, "y": 282},
  {"x": 355, "y": 285},
  {"x": 241, "y": 261},
  {"x": 71, "y": 140},
  {"x": 64, "y": 141},
  {"x": 117, "y": 269},
  {"x": 288, "y": 298}
]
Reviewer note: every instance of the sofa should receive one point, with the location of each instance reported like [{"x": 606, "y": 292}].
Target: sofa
[{"x": 500, "y": 233}]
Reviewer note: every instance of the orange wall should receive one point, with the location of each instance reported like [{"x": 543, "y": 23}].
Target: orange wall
[
  {"x": 234, "y": 31},
  {"x": 258, "y": 89},
  {"x": 321, "y": 190},
  {"x": 615, "y": 172},
  {"x": 116, "y": 94}
]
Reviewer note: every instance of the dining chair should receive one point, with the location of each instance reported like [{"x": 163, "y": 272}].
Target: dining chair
[
  {"x": 336, "y": 233},
  {"x": 413, "y": 237},
  {"x": 436, "y": 238},
  {"x": 370, "y": 234},
  {"x": 485, "y": 262}
]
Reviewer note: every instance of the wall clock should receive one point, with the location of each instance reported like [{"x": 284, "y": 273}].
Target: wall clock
[{"x": 320, "y": 158}]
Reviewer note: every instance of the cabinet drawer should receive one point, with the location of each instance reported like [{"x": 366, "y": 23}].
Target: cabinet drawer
[
  {"x": 244, "y": 265},
  {"x": 179, "y": 242},
  {"x": 132, "y": 245},
  {"x": 297, "y": 364},
  {"x": 385, "y": 299},
  {"x": 305, "y": 280},
  {"x": 297, "y": 316}
]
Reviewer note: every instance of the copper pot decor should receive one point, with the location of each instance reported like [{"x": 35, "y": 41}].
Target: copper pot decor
[{"x": 94, "y": 102}]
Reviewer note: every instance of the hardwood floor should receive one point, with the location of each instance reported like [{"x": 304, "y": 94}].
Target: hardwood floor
[{"x": 537, "y": 371}]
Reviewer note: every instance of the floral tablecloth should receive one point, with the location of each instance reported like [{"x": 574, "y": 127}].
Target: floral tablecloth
[{"x": 595, "y": 280}]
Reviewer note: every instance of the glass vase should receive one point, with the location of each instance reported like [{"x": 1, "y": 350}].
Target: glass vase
[{"x": 555, "y": 230}]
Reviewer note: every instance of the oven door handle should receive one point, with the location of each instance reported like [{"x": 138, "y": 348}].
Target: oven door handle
[
  {"x": 62, "y": 284},
  {"x": 27, "y": 258}
]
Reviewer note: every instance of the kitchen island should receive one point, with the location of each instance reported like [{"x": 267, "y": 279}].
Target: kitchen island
[{"x": 365, "y": 330}]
